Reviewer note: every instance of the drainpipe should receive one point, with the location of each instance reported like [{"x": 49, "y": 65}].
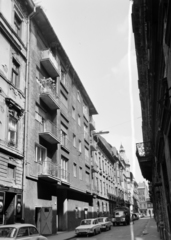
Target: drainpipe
[{"x": 26, "y": 110}]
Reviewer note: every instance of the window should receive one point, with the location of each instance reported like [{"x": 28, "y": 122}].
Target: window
[
  {"x": 33, "y": 231},
  {"x": 40, "y": 153},
  {"x": 79, "y": 146},
  {"x": 64, "y": 100},
  {"x": 86, "y": 153},
  {"x": 79, "y": 120},
  {"x": 85, "y": 132},
  {"x": 22, "y": 232},
  {"x": 63, "y": 138},
  {"x": 87, "y": 178},
  {"x": 80, "y": 173},
  {"x": 38, "y": 117},
  {"x": 75, "y": 170},
  {"x": 12, "y": 128},
  {"x": 63, "y": 78},
  {"x": 15, "y": 73},
  {"x": 74, "y": 140},
  {"x": 73, "y": 112},
  {"x": 17, "y": 24},
  {"x": 78, "y": 96},
  {"x": 11, "y": 171},
  {"x": 64, "y": 168}
]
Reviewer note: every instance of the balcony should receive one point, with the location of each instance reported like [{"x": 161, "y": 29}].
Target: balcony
[
  {"x": 50, "y": 171},
  {"x": 48, "y": 93},
  {"x": 144, "y": 155},
  {"x": 50, "y": 64},
  {"x": 93, "y": 144},
  {"x": 50, "y": 133},
  {"x": 65, "y": 176},
  {"x": 92, "y": 124}
]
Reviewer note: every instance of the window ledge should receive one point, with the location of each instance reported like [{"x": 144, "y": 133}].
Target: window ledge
[{"x": 11, "y": 150}]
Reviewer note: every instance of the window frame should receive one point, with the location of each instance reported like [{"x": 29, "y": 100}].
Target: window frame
[
  {"x": 73, "y": 112},
  {"x": 13, "y": 116},
  {"x": 74, "y": 169},
  {"x": 15, "y": 72},
  {"x": 45, "y": 153},
  {"x": 18, "y": 22},
  {"x": 74, "y": 140},
  {"x": 79, "y": 120}
]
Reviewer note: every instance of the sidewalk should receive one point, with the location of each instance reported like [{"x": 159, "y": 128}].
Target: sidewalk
[
  {"x": 62, "y": 236},
  {"x": 150, "y": 231}
]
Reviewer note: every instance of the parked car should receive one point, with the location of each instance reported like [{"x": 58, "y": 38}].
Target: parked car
[
  {"x": 20, "y": 231},
  {"x": 88, "y": 226},
  {"x": 105, "y": 223}
]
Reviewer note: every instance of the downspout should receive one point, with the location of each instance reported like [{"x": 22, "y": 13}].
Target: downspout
[{"x": 26, "y": 111}]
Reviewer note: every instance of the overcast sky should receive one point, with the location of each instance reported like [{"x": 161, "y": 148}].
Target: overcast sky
[{"x": 94, "y": 34}]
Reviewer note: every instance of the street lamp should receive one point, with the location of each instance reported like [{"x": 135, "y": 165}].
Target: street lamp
[{"x": 99, "y": 133}]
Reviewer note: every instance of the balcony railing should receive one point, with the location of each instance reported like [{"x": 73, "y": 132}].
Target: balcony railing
[
  {"x": 92, "y": 124},
  {"x": 93, "y": 144},
  {"x": 48, "y": 93},
  {"x": 50, "y": 171},
  {"x": 50, "y": 132},
  {"x": 143, "y": 149},
  {"x": 50, "y": 64},
  {"x": 65, "y": 175}
]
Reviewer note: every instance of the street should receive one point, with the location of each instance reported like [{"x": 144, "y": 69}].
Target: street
[{"x": 132, "y": 231}]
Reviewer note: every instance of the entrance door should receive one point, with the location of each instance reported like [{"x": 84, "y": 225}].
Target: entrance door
[
  {"x": 9, "y": 208},
  {"x": 46, "y": 221}
]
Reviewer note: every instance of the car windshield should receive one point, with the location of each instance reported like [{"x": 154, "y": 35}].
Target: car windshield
[
  {"x": 86, "y": 222},
  {"x": 8, "y": 232}
]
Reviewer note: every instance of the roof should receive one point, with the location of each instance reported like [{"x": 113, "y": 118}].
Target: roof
[{"x": 18, "y": 225}]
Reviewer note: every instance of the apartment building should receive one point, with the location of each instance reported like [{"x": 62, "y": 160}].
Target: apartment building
[
  {"x": 57, "y": 180},
  {"x": 13, "y": 65},
  {"x": 103, "y": 178},
  {"x": 143, "y": 195}
]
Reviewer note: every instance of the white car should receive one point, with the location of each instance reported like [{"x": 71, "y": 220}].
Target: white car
[
  {"x": 88, "y": 226},
  {"x": 105, "y": 223},
  {"x": 20, "y": 231}
]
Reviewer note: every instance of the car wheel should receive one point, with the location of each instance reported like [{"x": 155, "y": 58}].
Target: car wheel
[
  {"x": 100, "y": 230},
  {"x": 94, "y": 233},
  {"x": 109, "y": 227}
]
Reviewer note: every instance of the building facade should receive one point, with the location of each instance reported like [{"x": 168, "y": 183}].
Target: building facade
[
  {"x": 151, "y": 27},
  {"x": 13, "y": 71},
  {"x": 142, "y": 195}
]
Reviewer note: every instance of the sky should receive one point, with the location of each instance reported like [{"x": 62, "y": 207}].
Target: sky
[{"x": 95, "y": 36}]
